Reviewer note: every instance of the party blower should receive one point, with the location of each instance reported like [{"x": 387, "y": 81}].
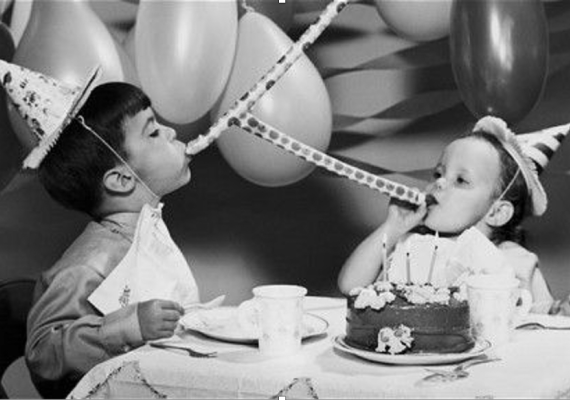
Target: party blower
[{"x": 239, "y": 114}]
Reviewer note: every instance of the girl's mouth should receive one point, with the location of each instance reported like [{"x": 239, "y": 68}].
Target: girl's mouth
[{"x": 431, "y": 200}]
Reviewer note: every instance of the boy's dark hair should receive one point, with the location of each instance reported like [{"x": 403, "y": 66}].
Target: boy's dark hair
[
  {"x": 73, "y": 170},
  {"x": 517, "y": 193}
]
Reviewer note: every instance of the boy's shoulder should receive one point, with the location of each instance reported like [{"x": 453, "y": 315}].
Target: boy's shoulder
[{"x": 97, "y": 248}]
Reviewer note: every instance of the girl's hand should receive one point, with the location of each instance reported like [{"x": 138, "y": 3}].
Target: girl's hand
[
  {"x": 158, "y": 318},
  {"x": 402, "y": 217}
]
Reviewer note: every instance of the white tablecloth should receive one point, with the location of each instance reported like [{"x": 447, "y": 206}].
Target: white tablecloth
[{"x": 535, "y": 365}]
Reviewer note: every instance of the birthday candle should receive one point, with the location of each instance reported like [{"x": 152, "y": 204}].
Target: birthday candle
[
  {"x": 408, "y": 268},
  {"x": 433, "y": 257},
  {"x": 385, "y": 257},
  {"x": 248, "y": 100}
]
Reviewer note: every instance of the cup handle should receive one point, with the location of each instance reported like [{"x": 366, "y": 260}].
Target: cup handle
[{"x": 525, "y": 298}]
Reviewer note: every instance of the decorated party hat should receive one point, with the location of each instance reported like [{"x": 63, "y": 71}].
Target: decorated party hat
[
  {"x": 46, "y": 104},
  {"x": 531, "y": 151}
]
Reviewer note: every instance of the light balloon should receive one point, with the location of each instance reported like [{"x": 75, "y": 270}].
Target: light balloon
[
  {"x": 65, "y": 40},
  {"x": 184, "y": 53},
  {"x": 280, "y": 13},
  {"x": 298, "y": 104},
  {"x": 418, "y": 20},
  {"x": 499, "y": 54}
]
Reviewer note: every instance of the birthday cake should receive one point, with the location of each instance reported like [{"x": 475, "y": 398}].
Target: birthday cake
[{"x": 399, "y": 318}]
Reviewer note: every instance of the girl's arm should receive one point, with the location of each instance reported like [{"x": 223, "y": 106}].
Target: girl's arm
[{"x": 365, "y": 263}]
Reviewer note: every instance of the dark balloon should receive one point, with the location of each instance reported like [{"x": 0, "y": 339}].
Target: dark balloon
[{"x": 499, "y": 54}]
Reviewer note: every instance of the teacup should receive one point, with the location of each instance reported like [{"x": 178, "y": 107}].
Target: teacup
[
  {"x": 496, "y": 305},
  {"x": 276, "y": 313}
]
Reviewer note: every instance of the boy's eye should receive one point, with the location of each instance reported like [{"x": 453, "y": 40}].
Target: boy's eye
[
  {"x": 436, "y": 174},
  {"x": 154, "y": 133}
]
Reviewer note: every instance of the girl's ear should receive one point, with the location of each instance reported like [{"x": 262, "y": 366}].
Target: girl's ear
[
  {"x": 500, "y": 213},
  {"x": 119, "y": 180}
]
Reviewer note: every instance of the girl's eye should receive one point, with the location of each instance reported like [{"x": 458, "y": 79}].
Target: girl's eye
[
  {"x": 154, "y": 133},
  {"x": 461, "y": 180},
  {"x": 436, "y": 174}
]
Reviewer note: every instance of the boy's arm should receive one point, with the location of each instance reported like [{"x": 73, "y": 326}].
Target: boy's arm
[
  {"x": 67, "y": 336},
  {"x": 364, "y": 264}
]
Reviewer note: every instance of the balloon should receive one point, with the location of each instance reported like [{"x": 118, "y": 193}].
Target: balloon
[
  {"x": 184, "y": 53},
  {"x": 418, "y": 20},
  {"x": 66, "y": 40},
  {"x": 187, "y": 132},
  {"x": 280, "y": 13},
  {"x": 298, "y": 105},
  {"x": 20, "y": 16},
  {"x": 10, "y": 149},
  {"x": 127, "y": 63},
  {"x": 129, "y": 45},
  {"x": 499, "y": 54}
]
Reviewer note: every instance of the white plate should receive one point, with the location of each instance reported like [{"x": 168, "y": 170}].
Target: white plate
[
  {"x": 411, "y": 358},
  {"x": 222, "y": 324}
]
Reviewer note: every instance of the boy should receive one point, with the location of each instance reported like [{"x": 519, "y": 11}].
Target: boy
[{"x": 110, "y": 159}]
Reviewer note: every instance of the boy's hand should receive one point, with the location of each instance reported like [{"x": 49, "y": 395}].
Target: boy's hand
[
  {"x": 158, "y": 318},
  {"x": 402, "y": 217}
]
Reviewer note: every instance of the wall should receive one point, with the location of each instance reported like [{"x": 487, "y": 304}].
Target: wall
[{"x": 238, "y": 235}]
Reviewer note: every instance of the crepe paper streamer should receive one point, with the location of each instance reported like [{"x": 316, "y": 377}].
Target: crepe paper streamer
[
  {"x": 248, "y": 100},
  {"x": 249, "y": 123},
  {"x": 421, "y": 56},
  {"x": 416, "y": 106}
]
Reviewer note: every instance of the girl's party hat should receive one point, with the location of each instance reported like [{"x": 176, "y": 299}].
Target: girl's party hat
[
  {"x": 46, "y": 104},
  {"x": 540, "y": 146},
  {"x": 531, "y": 151}
]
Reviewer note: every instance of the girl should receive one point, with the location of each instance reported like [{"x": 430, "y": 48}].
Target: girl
[{"x": 484, "y": 180}]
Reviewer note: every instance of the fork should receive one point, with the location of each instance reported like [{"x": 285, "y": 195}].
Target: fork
[
  {"x": 191, "y": 352},
  {"x": 459, "y": 371},
  {"x": 538, "y": 325}
]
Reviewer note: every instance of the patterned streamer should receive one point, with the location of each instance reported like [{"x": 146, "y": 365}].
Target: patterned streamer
[
  {"x": 251, "y": 124},
  {"x": 248, "y": 100}
]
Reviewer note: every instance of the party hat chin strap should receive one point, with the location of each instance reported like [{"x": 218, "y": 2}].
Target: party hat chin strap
[
  {"x": 121, "y": 159},
  {"x": 511, "y": 183}
]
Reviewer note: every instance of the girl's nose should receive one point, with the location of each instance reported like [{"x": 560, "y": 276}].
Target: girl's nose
[{"x": 440, "y": 183}]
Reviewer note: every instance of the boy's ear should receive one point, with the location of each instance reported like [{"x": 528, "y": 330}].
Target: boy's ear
[
  {"x": 119, "y": 180},
  {"x": 500, "y": 213}
]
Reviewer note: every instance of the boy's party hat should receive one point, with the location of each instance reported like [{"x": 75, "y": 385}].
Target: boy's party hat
[
  {"x": 531, "y": 151},
  {"x": 46, "y": 104}
]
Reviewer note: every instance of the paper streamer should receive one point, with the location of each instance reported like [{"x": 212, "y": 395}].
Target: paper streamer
[
  {"x": 248, "y": 100},
  {"x": 249, "y": 123}
]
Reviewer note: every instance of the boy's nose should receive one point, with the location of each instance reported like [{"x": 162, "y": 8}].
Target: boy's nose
[{"x": 171, "y": 133}]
